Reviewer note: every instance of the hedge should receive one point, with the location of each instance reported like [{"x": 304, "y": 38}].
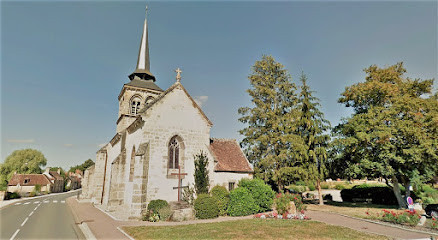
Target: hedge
[
  {"x": 156, "y": 205},
  {"x": 378, "y": 194},
  {"x": 206, "y": 207},
  {"x": 241, "y": 203},
  {"x": 222, "y": 197},
  {"x": 262, "y": 193}
]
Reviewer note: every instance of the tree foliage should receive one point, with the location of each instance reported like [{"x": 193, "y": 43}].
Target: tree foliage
[
  {"x": 270, "y": 140},
  {"x": 88, "y": 163},
  {"x": 312, "y": 127},
  {"x": 202, "y": 181},
  {"x": 393, "y": 131},
  {"x": 24, "y": 161}
]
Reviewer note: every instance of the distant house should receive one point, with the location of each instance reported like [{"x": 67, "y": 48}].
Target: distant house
[
  {"x": 74, "y": 179},
  {"x": 24, "y": 184},
  {"x": 56, "y": 179}
]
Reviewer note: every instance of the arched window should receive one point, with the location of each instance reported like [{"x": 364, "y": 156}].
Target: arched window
[
  {"x": 174, "y": 147},
  {"x": 135, "y": 105},
  {"x": 149, "y": 100},
  {"x": 131, "y": 169}
]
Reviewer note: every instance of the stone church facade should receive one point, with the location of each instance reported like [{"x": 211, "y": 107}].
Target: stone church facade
[{"x": 158, "y": 133}]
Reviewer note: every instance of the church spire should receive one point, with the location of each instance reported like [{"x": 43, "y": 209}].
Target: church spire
[{"x": 142, "y": 70}]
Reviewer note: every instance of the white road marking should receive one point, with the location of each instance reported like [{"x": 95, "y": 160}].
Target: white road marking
[
  {"x": 25, "y": 220},
  {"x": 15, "y": 234},
  {"x": 36, "y": 202},
  {"x": 62, "y": 201},
  {"x": 31, "y": 213},
  {"x": 35, "y": 208},
  {"x": 55, "y": 201},
  {"x": 46, "y": 201},
  {"x": 18, "y": 203},
  {"x": 26, "y": 203}
]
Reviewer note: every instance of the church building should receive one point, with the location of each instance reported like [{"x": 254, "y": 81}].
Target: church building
[{"x": 151, "y": 156}]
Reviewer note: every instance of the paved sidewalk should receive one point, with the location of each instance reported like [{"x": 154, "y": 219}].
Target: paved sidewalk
[
  {"x": 364, "y": 226},
  {"x": 105, "y": 227}
]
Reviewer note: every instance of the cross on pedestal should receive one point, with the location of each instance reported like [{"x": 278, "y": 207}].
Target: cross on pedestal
[{"x": 179, "y": 174}]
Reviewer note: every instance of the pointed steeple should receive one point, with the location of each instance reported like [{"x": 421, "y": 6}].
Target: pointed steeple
[{"x": 142, "y": 70}]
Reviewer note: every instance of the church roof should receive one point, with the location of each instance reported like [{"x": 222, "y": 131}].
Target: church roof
[
  {"x": 229, "y": 156},
  {"x": 32, "y": 180},
  {"x": 176, "y": 85},
  {"x": 140, "y": 83},
  {"x": 142, "y": 70}
]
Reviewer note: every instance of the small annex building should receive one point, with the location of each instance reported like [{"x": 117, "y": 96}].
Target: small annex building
[{"x": 152, "y": 153}]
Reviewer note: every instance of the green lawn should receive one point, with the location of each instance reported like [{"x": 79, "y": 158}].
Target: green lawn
[{"x": 250, "y": 229}]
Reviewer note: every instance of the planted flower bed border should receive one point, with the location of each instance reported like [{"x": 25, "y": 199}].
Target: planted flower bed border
[{"x": 286, "y": 216}]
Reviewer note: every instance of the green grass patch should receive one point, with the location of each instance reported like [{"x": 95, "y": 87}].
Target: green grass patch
[{"x": 249, "y": 229}]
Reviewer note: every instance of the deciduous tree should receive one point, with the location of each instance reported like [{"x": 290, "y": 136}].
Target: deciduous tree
[
  {"x": 21, "y": 161},
  {"x": 393, "y": 131}
]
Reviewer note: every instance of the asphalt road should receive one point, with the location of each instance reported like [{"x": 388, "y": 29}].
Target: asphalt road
[{"x": 47, "y": 217}]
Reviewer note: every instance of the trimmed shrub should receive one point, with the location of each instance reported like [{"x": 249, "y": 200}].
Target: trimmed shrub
[
  {"x": 311, "y": 187},
  {"x": 241, "y": 203},
  {"x": 262, "y": 193},
  {"x": 296, "y": 188},
  {"x": 222, "y": 197},
  {"x": 206, "y": 207},
  {"x": 165, "y": 212},
  {"x": 12, "y": 195},
  {"x": 325, "y": 185},
  {"x": 156, "y": 205}
]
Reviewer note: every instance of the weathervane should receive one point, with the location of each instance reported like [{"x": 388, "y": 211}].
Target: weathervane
[{"x": 178, "y": 74}]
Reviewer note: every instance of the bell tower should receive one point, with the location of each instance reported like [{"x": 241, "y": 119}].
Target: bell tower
[{"x": 141, "y": 89}]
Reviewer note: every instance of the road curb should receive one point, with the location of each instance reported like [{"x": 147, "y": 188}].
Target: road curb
[
  {"x": 382, "y": 223},
  {"x": 86, "y": 231},
  {"x": 124, "y": 233}
]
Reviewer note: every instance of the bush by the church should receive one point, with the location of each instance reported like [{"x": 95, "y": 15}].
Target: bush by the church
[
  {"x": 222, "y": 197},
  {"x": 241, "y": 203},
  {"x": 262, "y": 193},
  {"x": 206, "y": 207},
  {"x": 165, "y": 213},
  {"x": 156, "y": 205}
]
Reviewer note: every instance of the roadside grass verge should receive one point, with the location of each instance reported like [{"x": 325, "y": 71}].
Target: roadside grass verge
[{"x": 249, "y": 229}]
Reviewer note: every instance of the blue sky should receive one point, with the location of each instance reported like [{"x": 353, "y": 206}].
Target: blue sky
[{"x": 63, "y": 64}]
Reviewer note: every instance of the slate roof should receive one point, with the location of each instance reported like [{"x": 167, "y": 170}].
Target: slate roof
[
  {"x": 40, "y": 179},
  {"x": 149, "y": 84},
  {"x": 229, "y": 156}
]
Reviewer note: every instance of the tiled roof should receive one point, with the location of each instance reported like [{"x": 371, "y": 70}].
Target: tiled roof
[
  {"x": 56, "y": 175},
  {"x": 229, "y": 156},
  {"x": 33, "y": 179}
]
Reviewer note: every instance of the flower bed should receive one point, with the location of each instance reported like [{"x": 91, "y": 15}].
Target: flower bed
[
  {"x": 434, "y": 223},
  {"x": 275, "y": 215},
  {"x": 411, "y": 218}
]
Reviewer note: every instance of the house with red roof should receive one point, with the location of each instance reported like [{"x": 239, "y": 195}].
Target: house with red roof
[{"x": 24, "y": 184}]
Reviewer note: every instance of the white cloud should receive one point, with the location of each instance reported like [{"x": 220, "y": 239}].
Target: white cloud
[
  {"x": 68, "y": 145},
  {"x": 21, "y": 140},
  {"x": 200, "y": 100}
]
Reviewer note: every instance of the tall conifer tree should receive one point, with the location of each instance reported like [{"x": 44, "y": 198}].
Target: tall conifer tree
[
  {"x": 270, "y": 140},
  {"x": 312, "y": 127}
]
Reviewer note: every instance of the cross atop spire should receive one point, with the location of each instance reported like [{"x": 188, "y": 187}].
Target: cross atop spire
[{"x": 142, "y": 70}]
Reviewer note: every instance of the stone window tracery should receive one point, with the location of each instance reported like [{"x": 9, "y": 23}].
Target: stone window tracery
[
  {"x": 174, "y": 147},
  {"x": 135, "y": 105}
]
